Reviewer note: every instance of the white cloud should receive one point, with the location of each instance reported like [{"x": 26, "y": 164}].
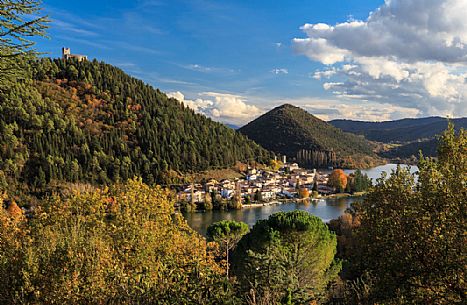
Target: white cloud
[
  {"x": 206, "y": 69},
  {"x": 198, "y": 105},
  {"x": 234, "y": 109},
  {"x": 278, "y": 71},
  {"x": 324, "y": 74},
  {"x": 408, "y": 53},
  {"x": 223, "y": 107},
  {"x": 320, "y": 50},
  {"x": 329, "y": 109}
]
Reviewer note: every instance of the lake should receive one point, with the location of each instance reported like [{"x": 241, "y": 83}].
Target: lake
[
  {"x": 375, "y": 172},
  {"x": 326, "y": 209}
]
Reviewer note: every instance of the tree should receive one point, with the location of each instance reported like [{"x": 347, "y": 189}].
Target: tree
[
  {"x": 227, "y": 233},
  {"x": 315, "y": 186},
  {"x": 289, "y": 256},
  {"x": 303, "y": 193},
  {"x": 412, "y": 234},
  {"x": 18, "y": 24},
  {"x": 359, "y": 182},
  {"x": 41, "y": 180},
  {"x": 208, "y": 205},
  {"x": 258, "y": 196},
  {"x": 275, "y": 164},
  {"x": 118, "y": 245},
  {"x": 338, "y": 180}
]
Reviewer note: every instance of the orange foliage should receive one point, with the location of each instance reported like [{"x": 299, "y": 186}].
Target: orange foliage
[
  {"x": 304, "y": 193},
  {"x": 338, "y": 179},
  {"x": 14, "y": 210}
]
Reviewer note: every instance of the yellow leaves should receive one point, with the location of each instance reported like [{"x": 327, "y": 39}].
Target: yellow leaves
[
  {"x": 122, "y": 240},
  {"x": 275, "y": 165},
  {"x": 338, "y": 179},
  {"x": 304, "y": 193},
  {"x": 14, "y": 210}
]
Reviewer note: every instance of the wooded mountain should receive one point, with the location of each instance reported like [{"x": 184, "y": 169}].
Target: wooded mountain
[
  {"x": 89, "y": 121},
  {"x": 399, "y": 131},
  {"x": 292, "y": 131},
  {"x": 413, "y": 135}
]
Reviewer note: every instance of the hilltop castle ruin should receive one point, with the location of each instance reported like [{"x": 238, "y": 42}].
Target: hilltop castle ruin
[{"x": 66, "y": 54}]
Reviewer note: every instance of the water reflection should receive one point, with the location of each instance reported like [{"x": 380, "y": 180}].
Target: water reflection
[
  {"x": 375, "y": 173},
  {"x": 326, "y": 209}
]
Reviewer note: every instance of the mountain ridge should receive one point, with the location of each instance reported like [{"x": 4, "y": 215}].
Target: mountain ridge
[
  {"x": 399, "y": 131},
  {"x": 87, "y": 121},
  {"x": 410, "y": 135},
  {"x": 294, "y": 132}
]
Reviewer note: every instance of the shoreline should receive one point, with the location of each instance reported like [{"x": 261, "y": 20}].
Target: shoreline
[{"x": 297, "y": 200}]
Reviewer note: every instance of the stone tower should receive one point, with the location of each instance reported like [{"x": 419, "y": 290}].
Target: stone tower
[{"x": 65, "y": 52}]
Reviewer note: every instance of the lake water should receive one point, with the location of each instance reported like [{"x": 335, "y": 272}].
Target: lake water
[
  {"x": 326, "y": 209},
  {"x": 375, "y": 172}
]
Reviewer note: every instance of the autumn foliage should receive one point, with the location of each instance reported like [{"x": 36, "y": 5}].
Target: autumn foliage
[
  {"x": 412, "y": 241},
  {"x": 122, "y": 245},
  {"x": 304, "y": 193},
  {"x": 338, "y": 180}
]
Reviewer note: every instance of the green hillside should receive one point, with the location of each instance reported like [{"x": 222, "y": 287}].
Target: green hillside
[
  {"x": 89, "y": 121},
  {"x": 399, "y": 131},
  {"x": 294, "y": 132},
  {"x": 410, "y": 135}
]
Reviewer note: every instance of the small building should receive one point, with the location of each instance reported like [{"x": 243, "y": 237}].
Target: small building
[
  {"x": 252, "y": 177},
  {"x": 66, "y": 54},
  {"x": 227, "y": 193},
  {"x": 293, "y": 166},
  {"x": 268, "y": 194}
]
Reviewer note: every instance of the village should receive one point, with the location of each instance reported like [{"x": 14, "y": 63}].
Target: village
[{"x": 257, "y": 187}]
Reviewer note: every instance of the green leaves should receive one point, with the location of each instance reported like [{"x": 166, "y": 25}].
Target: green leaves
[
  {"x": 118, "y": 245},
  {"x": 288, "y": 256},
  {"x": 412, "y": 234},
  {"x": 115, "y": 127},
  {"x": 226, "y": 230},
  {"x": 18, "y": 24}
]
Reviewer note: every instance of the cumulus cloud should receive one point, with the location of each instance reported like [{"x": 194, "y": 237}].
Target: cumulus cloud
[
  {"x": 330, "y": 109},
  {"x": 223, "y": 107},
  {"x": 408, "y": 53}
]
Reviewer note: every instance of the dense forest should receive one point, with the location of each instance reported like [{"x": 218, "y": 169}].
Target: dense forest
[
  {"x": 409, "y": 135},
  {"x": 293, "y": 132},
  {"x": 124, "y": 244},
  {"x": 399, "y": 131},
  {"x": 89, "y": 121}
]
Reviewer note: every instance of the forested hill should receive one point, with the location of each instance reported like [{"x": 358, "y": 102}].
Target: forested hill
[
  {"x": 89, "y": 121},
  {"x": 407, "y": 136},
  {"x": 399, "y": 131},
  {"x": 310, "y": 141}
]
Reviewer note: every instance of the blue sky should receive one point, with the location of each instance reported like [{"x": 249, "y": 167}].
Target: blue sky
[{"x": 233, "y": 60}]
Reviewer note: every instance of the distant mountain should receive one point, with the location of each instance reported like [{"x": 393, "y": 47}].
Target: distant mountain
[
  {"x": 411, "y": 150},
  {"x": 399, "y": 131},
  {"x": 292, "y": 131},
  {"x": 89, "y": 121},
  {"x": 412, "y": 135},
  {"x": 233, "y": 126}
]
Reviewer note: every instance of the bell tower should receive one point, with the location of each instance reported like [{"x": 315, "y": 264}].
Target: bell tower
[{"x": 66, "y": 52}]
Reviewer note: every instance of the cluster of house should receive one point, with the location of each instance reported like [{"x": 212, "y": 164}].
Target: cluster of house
[{"x": 260, "y": 185}]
